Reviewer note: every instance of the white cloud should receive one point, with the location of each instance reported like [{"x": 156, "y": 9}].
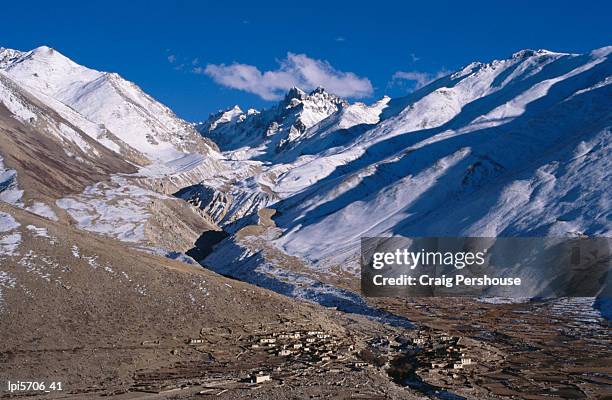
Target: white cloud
[
  {"x": 295, "y": 70},
  {"x": 420, "y": 79},
  {"x": 171, "y": 58},
  {"x": 340, "y": 39}
]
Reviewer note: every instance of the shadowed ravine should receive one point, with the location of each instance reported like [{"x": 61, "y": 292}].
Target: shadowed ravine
[{"x": 256, "y": 270}]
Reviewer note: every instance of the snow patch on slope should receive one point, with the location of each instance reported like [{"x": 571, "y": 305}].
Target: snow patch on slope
[
  {"x": 7, "y": 222},
  {"x": 9, "y": 191},
  {"x": 117, "y": 209},
  {"x": 42, "y": 210},
  {"x": 9, "y": 242}
]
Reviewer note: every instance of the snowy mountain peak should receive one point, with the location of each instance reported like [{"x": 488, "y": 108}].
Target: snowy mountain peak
[
  {"x": 14, "y": 55},
  {"x": 274, "y": 129},
  {"x": 223, "y": 117},
  {"x": 49, "y": 72},
  {"x": 104, "y": 99},
  {"x": 56, "y": 59},
  {"x": 525, "y": 53},
  {"x": 526, "y": 56},
  {"x": 8, "y": 56},
  {"x": 46, "y": 50},
  {"x": 294, "y": 93}
]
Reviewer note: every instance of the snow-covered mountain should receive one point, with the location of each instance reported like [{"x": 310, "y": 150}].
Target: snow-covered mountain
[
  {"x": 91, "y": 149},
  {"x": 266, "y": 133},
  {"x": 114, "y": 105},
  {"x": 513, "y": 147},
  {"x": 53, "y": 151}
]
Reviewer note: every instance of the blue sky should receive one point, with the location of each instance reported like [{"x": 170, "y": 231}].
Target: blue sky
[{"x": 192, "y": 55}]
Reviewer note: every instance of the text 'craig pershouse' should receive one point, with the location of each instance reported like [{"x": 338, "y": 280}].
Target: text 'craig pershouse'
[{"x": 517, "y": 267}]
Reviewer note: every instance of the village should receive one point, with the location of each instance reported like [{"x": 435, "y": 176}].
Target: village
[
  {"x": 442, "y": 359},
  {"x": 281, "y": 356},
  {"x": 308, "y": 346},
  {"x": 263, "y": 356}
]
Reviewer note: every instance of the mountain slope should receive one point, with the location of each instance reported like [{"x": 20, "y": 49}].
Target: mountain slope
[
  {"x": 105, "y": 99},
  {"x": 92, "y": 149},
  {"x": 102, "y": 317},
  {"x": 50, "y": 154},
  {"x": 498, "y": 149},
  {"x": 515, "y": 147}
]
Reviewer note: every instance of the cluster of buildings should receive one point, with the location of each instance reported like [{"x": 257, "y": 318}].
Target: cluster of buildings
[
  {"x": 441, "y": 352},
  {"x": 305, "y": 345}
]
